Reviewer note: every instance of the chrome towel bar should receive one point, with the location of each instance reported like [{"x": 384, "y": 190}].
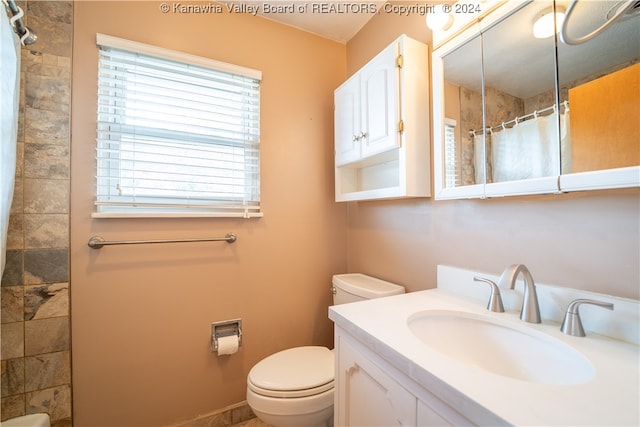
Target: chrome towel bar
[{"x": 97, "y": 242}]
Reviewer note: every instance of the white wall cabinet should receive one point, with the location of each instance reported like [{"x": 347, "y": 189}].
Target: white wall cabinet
[
  {"x": 367, "y": 110},
  {"x": 382, "y": 132},
  {"x": 370, "y": 392}
]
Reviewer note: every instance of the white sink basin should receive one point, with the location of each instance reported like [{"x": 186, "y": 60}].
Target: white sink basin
[{"x": 517, "y": 352}]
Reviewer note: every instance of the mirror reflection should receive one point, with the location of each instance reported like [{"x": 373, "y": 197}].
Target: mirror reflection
[
  {"x": 463, "y": 108},
  {"x": 520, "y": 99},
  {"x": 505, "y": 119},
  {"x": 599, "y": 78}
]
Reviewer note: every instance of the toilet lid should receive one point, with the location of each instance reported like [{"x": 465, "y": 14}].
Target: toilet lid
[{"x": 299, "y": 368}]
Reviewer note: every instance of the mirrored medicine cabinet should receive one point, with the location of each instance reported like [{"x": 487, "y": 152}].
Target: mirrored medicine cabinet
[{"x": 517, "y": 114}]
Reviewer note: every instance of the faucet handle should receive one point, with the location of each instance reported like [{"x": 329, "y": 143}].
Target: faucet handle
[
  {"x": 572, "y": 325},
  {"x": 495, "y": 300}
]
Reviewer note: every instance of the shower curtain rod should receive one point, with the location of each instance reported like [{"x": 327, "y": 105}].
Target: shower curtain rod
[
  {"x": 502, "y": 125},
  {"x": 26, "y": 35}
]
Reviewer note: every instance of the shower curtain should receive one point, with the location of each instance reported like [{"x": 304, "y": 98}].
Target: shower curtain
[
  {"x": 529, "y": 149},
  {"x": 565, "y": 141},
  {"x": 9, "y": 95},
  {"x": 479, "y": 159}
]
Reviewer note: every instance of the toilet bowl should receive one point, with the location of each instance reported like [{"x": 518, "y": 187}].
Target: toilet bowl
[
  {"x": 294, "y": 387},
  {"x": 31, "y": 420},
  {"x": 302, "y": 378}
]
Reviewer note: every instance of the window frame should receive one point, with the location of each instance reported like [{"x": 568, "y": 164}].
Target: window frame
[
  {"x": 111, "y": 205},
  {"x": 451, "y": 153}
]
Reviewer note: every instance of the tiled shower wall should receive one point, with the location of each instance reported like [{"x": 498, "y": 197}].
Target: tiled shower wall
[{"x": 35, "y": 352}]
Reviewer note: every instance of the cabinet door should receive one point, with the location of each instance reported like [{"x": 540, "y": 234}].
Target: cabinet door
[
  {"x": 347, "y": 121},
  {"x": 367, "y": 396},
  {"x": 436, "y": 413},
  {"x": 427, "y": 417},
  {"x": 379, "y": 88}
]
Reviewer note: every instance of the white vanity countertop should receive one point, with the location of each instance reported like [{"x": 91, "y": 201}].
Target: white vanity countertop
[{"x": 611, "y": 398}]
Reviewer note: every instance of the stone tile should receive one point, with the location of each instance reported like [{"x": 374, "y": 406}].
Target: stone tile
[
  {"x": 49, "y": 93},
  {"x": 15, "y": 232},
  {"x": 46, "y": 335},
  {"x": 20, "y": 135},
  {"x": 64, "y": 62},
  {"x": 47, "y": 370},
  {"x": 31, "y": 61},
  {"x": 254, "y": 422},
  {"x": 13, "y": 268},
  {"x": 23, "y": 75},
  {"x": 11, "y": 304},
  {"x": 66, "y": 422},
  {"x": 46, "y": 65},
  {"x": 241, "y": 413},
  {"x": 45, "y": 301},
  {"x": 12, "y": 380},
  {"x": 13, "y": 406},
  {"x": 46, "y": 161},
  {"x": 46, "y": 266},
  {"x": 236, "y": 415},
  {"x": 46, "y": 196},
  {"x": 58, "y": 11},
  {"x": 46, "y": 127},
  {"x": 39, "y": 221},
  {"x": 19, "y": 160},
  {"x": 55, "y": 401},
  {"x": 17, "y": 205},
  {"x": 46, "y": 231},
  {"x": 54, "y": 36},
  {"x": 49, "y": 59},
  {"x": 12, "y": 340},
  {"x": 218, "y": 419}
]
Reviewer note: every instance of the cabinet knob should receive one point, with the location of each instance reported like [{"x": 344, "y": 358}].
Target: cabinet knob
[{"x": 356, "y": 138}]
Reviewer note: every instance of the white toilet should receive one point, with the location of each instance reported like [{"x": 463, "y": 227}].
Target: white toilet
[{"x": 294, "y": 387}]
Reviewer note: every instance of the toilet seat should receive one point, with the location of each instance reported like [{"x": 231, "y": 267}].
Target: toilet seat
[{"x": 295, "y": 372}]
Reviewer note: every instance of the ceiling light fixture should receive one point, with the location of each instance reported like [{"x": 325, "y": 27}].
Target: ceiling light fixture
[
  {"x": 439, "y": 19},
  {"x": 543, "y": 26}
]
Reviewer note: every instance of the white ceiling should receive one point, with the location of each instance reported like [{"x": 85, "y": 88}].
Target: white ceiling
[{"x": 335, "y": 20}]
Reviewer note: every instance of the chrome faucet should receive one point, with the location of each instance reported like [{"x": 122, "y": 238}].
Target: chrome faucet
[
  {"x": 495, "y": 300},
  {"x": 530, "y": 309},
  {"x": 572, "y": 325}
]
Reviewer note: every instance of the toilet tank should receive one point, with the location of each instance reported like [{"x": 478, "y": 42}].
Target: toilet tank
[{"x": 354, "y": 287}]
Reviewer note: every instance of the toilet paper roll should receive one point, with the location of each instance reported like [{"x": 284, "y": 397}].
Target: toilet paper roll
[{"x": 228, "y": 345}]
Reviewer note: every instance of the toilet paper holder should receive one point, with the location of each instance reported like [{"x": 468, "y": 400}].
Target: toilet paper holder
[{"x": 225, "y": 328}]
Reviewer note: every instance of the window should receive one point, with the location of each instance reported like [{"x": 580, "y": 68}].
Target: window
[
  {"x": 177, "y": 135},
  {"x": 452, "y": 172}
]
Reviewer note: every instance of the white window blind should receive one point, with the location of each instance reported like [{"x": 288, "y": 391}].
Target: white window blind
[
  {"x": 452, "y": 173},
  {"x": 177, "y": 135}
]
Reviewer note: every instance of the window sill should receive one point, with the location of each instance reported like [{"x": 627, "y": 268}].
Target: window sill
[{"x": 101, "y": 215}]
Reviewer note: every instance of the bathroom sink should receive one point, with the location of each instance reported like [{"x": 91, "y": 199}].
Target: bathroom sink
[{"x": 514, "y": 351}]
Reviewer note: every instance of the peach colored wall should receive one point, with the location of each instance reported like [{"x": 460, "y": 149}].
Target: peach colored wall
[
  {"x": 381, "y": 30},
  {"x": 141, "y": 315},
  {"x": 585, "y": 240}
]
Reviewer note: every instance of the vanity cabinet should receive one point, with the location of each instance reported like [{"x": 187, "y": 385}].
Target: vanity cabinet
[
  {"x": 382, "y": 133},
  {"x": 366, "y": 395},
  {"x": 370, "y": 392}
]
